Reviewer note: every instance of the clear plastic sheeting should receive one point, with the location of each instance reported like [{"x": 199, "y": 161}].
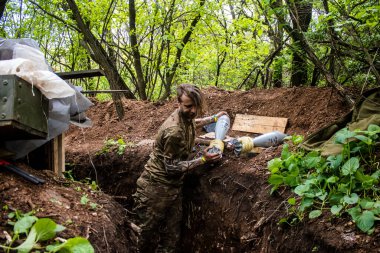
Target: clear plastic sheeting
[
  {"x": 78, "y": 107},
  {"x": 29, "y": 64},
  {"x": 23, "y": 58}
]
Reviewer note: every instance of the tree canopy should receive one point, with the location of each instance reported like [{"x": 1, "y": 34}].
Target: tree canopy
[{"x": 147, "y": 47}]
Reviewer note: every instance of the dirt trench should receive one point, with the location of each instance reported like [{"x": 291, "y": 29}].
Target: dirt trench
[{"x": 227, "y": 206}]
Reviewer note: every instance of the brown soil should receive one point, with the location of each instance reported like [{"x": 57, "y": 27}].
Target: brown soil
[{"x": 227, "y": 206}]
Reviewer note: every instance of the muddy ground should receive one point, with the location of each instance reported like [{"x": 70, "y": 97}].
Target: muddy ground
[{"x": 227, "y": 206}]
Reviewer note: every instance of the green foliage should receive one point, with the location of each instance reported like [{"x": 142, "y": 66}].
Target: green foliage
[
  {"x": 40, "y": 232},
  {"x": 231, "y": 43},
  {"x": 68, "y": 174},
  {"x": 346, "y": 182},
  {"x": 117, "y": 146}
]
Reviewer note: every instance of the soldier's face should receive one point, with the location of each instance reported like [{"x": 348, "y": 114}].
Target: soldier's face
[{"x": 187, "y": 107}]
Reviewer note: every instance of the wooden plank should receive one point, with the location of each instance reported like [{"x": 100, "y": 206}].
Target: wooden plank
[
  {"x": 58, "y": 156},
  {"x": 61, "y": 154},
  {"x": 258, "y": 124},
  {"x": 80, "y": 74},
  {"x": 103, "y": 91}
]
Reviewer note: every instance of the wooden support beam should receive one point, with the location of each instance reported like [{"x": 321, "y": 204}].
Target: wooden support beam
[
  {"x": 103, "y": 91},
  {"x": 58, "y": 155},
  {"x": 80, "y": 74}
]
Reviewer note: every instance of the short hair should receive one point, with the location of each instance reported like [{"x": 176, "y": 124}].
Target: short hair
[{"x": 195, "y": 94}]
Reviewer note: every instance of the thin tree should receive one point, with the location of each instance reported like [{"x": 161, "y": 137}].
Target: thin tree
[
  {"x": 3, "y": 3},
  {"x": 300, "y": 13},
  {"x": 99, "y": 55},
  {"x": 297, "y": 35},
  {"x": 168, "y": 78},
  {"x": 141, "y": 83}
]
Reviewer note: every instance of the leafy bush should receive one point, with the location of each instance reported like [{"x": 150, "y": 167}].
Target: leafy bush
[
  {"x": 118, "y": 145},
  {"x": 347, "y": 182},
  {"x": 41, "y": 230}
]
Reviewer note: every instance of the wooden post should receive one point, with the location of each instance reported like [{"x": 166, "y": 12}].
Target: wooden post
[{"x": 58, "y": 155}]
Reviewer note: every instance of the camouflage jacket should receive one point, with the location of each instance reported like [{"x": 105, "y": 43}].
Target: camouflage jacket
[{"x": 173, "y": 144}]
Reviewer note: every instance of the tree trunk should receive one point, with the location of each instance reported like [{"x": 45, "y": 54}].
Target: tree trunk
[
  {"x": 141, "y": 84},
  {"x": 170, "y": 74},
  {"x": 300, "y": 13},
  {"x": 99, "y": 55},
  {"x": 3, "y": 3},
  {"x": 297, "y": 35},
  {"x": 299, "y": 68},
  {"x": 219, "y": 66},
  {"x": 276, "y": 33}
]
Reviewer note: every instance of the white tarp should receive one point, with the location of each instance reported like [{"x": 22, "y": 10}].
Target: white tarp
[
  {"x": 29, "y": 64},
  {"x": 23, "y": 58}
]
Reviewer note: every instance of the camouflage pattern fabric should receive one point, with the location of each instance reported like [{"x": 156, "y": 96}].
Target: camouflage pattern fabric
[
  {"x": 158, "y": 198},
  {"x": 365, "y": 112}
]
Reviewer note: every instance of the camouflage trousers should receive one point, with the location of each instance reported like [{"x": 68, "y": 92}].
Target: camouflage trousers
[{"x": 158, "y": 209}]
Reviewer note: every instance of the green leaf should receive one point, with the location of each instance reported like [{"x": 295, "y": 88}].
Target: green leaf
[
  {"x": 24, "y": 224},
  {"x": 282, "y": 221},
  {"x": 179, "y": 45},
  {"x": 291, "y": 180},
  {"x": 342, "y": 135},
  {"x": 72, "y": 245},
  {"x": 366, "y": 221},
  {"x": 59, "y": 228},
  {"x": 292, "y": 201},
  {"x": 84, "y": 199},
  {"x": 343, "y": 188},
  {"x": 301, "y": 189},
  {"x": 45, "y": 229},
  {"x": 314, "y": 214},
  {"x": 275, "y": 164},
  {"x": 335, "y": 198},
  {"x": 352, "y": 199},
  {"x": 121, "y": 141},
  {"x": 364, "y": 139},
  {"x": 29, "y": 243},
  {"x": 335, "y": 161},
  {"x": 297, "y": 139},
  {"x": 376, "y": 175},
  {"x": 350, "y": 166},
  {"x": 312, "y": 162},
  {"x": 366, "y": 204},
  {"x": 285, "y": 151},
  {"x": 335, "y": 210},
  {"x": 305, "y": 203},
  {"x": 321, "y": 195},
  {"x": 355, "y": 212},
  {"x": 275, "y": 179},
  {"x": 332, "y": 179},
  {"x": 375, "y": 129}
]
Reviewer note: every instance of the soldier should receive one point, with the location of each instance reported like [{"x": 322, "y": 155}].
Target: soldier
[{"x": 158, "y": 198}]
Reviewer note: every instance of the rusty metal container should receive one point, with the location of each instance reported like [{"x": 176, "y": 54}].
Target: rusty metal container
[{"x": 23, "y": 110}]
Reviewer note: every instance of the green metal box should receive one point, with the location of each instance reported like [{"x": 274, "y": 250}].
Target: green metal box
[{"x": 23, "y": 110}]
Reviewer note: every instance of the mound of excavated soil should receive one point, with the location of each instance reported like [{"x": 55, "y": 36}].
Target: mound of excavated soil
[{"x": 227, "y": 206}]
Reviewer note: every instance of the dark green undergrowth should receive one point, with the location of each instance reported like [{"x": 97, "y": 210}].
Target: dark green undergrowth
[
  {"x": 39, "y": 235},
  {"x": 344, "y": 183}
]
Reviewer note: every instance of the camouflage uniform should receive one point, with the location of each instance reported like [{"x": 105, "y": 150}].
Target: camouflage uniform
[{"x": 158, "y": 198}]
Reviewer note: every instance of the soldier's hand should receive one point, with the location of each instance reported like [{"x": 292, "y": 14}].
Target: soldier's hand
[
  {"x": 211, "y": 157},
  {"x": 221, "y": 113}
]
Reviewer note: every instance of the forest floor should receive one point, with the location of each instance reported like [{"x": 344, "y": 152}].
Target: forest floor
[{"x": 227, "y": 206}]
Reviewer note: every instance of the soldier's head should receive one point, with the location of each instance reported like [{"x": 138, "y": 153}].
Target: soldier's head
[{"x": 191, "y": 100}]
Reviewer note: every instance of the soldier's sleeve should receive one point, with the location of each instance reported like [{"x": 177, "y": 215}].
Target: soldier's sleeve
[{"x": 174, "y": 147}]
